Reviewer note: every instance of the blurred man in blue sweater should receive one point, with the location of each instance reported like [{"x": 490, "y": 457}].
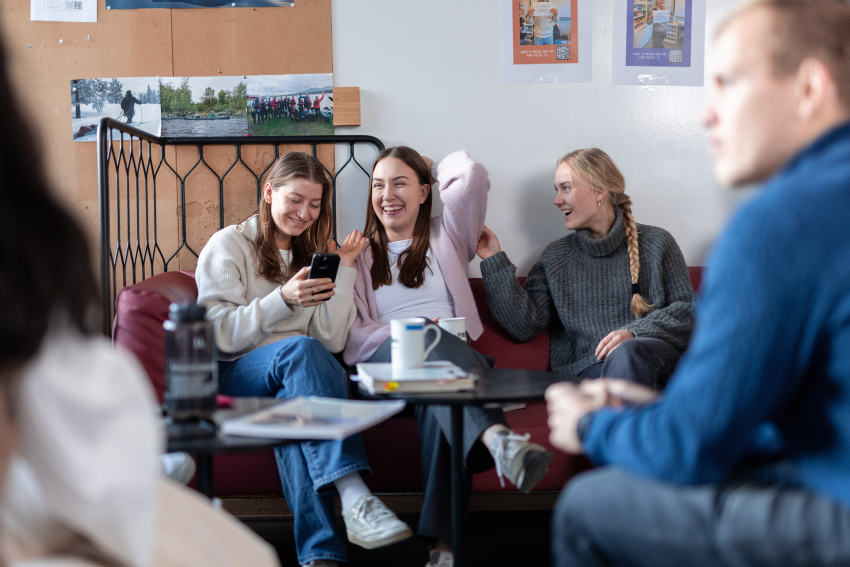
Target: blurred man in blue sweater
[{"x": 745, "y": 458}]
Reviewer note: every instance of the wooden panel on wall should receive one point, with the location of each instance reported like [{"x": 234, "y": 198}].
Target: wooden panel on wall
[{"x": 146, "y": 43}]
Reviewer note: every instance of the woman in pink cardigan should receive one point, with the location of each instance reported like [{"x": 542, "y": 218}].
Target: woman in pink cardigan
[{"x": 416, "y": 266}]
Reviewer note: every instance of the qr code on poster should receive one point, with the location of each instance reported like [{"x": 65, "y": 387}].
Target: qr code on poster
[
  {"x": 72, "y": 5},
  {"x": 562, "y": 52},
  {"x": 675, "y": 56}
]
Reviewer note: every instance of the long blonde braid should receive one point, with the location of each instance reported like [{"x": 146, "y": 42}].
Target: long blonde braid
[{"x": 598, "y": 171}]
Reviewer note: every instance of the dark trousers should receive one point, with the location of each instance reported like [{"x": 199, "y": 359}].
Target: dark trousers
[
  {"x": 643, "y": 360},
  {"x": 609, "y": 517},
  {"x": 435, "y": 521}
]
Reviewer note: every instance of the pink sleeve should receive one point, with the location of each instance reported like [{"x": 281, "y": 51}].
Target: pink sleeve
[
  {"x": 366, "y": 334},
  {"x": 464, "y": 184}
]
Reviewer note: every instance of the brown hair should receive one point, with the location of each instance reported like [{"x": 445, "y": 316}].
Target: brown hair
[
  {"x": 413, "y": 261},
  {"x": 598, "y": 171},
  {"x": 820, "y": 29},
  {"x": 291, "y": 166}
]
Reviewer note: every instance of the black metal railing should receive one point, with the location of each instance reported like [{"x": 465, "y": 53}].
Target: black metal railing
[{"x": 145, "y": 183}]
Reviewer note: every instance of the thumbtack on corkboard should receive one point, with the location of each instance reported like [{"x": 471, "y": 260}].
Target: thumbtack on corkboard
[{"x": 346, "y": 106}]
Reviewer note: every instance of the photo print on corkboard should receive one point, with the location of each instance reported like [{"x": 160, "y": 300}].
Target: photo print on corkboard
[
  {"x": 142, "y": 4},
  {"x": 290, "y": 105},
  {"x": 203, "y": 106},
  {"x": 131, "y": 100}
]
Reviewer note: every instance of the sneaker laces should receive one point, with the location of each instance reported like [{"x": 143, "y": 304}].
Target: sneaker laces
[
  {"x": 371, "y": 509},
  {"x": 501, "y": 443}
]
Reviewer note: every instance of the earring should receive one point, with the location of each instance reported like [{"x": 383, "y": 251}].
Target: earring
[{"x": 598, "y": 203}]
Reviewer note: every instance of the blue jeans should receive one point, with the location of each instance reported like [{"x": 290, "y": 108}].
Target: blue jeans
[
  {"x": 543, "y": 40},
  {"x": 301, "y": 366},
  {"x": 610, "y": 517},
  {"x": 643, "y": 360}
]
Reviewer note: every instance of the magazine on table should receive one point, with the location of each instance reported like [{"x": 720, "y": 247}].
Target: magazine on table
[
  {"x": 435, "y": 376},
  {"x": 312, "y": 418}
]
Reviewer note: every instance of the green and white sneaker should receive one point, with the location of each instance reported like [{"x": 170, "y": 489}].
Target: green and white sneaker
[
  {"x": 370, "y": 524},
  {"x": 524, "y": 463}
]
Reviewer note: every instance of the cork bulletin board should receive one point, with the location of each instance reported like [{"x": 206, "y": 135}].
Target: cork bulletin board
[{"x": 44, "y": 56}]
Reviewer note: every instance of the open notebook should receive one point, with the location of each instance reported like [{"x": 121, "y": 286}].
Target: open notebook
[{"x": 312, "y": 418}]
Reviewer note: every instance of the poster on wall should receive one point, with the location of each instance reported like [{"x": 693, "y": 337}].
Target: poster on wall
[
  {"x": 290, "y": 105},
  {"x": 203, "y": 106},
  {"x": 659, "y": 42},
  {"x": 545, "y": 42},
  {"x": 138, "y": 4},
  {"x": 131, "y": 100},
  {"x": 63, "y": 10}
]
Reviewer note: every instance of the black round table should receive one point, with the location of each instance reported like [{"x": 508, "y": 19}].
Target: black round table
[{"x": 494, "y": 386}]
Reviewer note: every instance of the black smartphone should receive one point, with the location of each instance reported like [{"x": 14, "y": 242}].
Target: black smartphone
[{"x": 324, "y": 266}]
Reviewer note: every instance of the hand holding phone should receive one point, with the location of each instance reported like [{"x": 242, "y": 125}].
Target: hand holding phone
[{"x": 324, "y": 266}]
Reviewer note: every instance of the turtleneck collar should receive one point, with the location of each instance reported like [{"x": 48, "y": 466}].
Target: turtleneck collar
[{"x": 608, "y": 243}]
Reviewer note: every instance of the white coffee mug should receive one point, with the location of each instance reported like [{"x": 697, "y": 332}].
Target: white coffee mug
[
  {"x": 454, "y": 325},
  {"x": 407, "y": 342}
]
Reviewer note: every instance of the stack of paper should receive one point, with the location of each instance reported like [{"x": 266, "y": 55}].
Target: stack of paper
[{"x": 436, "y": 376}]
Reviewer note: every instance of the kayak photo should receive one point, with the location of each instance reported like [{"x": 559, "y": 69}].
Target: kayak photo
[{"x": 203, "y": 106}]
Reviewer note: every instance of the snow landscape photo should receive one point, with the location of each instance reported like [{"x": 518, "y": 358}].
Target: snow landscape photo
[{"x": 131, "y": 100}]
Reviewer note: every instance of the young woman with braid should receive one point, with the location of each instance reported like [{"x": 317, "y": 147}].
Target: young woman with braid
[{"x": 615, "y": 294}]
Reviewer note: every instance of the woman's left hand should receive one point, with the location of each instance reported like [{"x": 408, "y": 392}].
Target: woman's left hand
[
  {"x": 351, "y": 248},
  {"x": 610, "y": 343}
]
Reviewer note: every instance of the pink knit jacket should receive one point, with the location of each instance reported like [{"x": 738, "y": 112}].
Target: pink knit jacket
[{"x": 454, "y": 235}]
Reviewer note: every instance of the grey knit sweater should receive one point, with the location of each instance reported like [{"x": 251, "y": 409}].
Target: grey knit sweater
[{"x": 581, "y": 289}]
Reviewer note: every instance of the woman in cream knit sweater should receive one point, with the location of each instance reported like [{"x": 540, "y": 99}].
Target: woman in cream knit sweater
[{"x": 275, "y": 331}]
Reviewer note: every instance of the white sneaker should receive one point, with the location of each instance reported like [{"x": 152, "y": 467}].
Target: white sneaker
[
  {"x": 179, "y": 467},
  {"x": 522, "y": 462},
  {"x": 370, "y": 524},
  {"x": 322, "y": 563}
]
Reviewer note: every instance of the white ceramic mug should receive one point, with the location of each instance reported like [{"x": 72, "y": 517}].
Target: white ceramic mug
[
  {"x": 407, "y": 345},
  {"x": 454, "y": 325}
]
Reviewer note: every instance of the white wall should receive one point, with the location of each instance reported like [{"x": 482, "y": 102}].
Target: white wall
[{"x": 428, "y": 73}]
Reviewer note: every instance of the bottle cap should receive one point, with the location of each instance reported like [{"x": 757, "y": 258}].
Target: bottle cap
[{"x": 187, "y": 312}]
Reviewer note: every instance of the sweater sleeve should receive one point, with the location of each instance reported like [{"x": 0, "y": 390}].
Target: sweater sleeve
[
  {"x": 523, "y": 311},
  {"x": 366, "y": 333},
  {"x": 221, "y": 275},
  {"x": 332, "y": 319},
  {"x": 464, "y": 184},
  {"x": 671, "y": 293},
  {"x": 741, "y": 367}
]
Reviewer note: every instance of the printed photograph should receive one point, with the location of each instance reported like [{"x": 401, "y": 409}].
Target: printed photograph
[
  {"x": 203, "y": 106},
  {"x": 290, "y": 105},
  {"x": 132, "y": 100},
  {"x": 659, "y": 33},
  {"x": 544, "y": 32},
  {"x": 138, "y": 4}
]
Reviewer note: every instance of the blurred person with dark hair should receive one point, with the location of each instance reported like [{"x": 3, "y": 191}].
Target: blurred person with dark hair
[
  {"x": 79, "y": 437},
  {"x": 744, "y": 459}
]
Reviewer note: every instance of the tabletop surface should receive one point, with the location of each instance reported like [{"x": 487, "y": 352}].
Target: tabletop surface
[
  {"x": 220, "y": 443},
  {"x": 494, "y": 385}
]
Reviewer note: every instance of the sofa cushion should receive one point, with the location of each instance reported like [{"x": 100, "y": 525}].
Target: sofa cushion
[
  {"x": 495, "y": 341},
  {"x": 140, "y": 310}
]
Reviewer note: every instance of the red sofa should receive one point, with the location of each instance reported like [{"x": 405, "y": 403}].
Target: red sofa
[{"x": 393, "y": 446}]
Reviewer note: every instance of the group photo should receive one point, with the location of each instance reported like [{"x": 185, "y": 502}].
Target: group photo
[{"x": 290, "y": 105}]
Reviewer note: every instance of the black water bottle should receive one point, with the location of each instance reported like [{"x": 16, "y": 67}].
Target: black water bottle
[{"x": 191, "y": 364}]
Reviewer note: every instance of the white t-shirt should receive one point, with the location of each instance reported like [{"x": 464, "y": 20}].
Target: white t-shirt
[
  {"x": 543, "y": 25},
  {"x": 431, "y": 299}
]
